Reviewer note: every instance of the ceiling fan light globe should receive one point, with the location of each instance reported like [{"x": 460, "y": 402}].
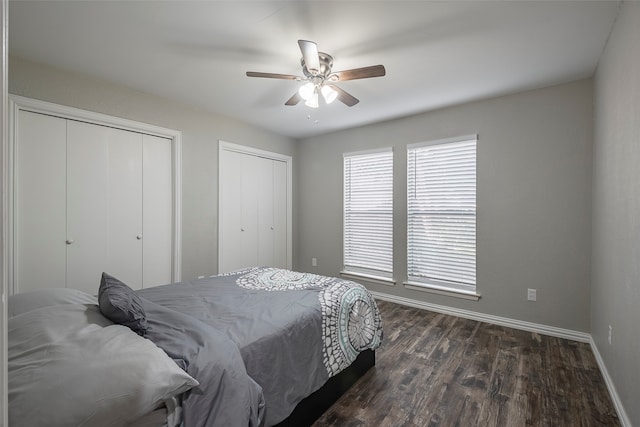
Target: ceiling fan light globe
[
  {"x": 306, "y": 91},
  {"x": 312, "y": 101},
  {"x": 329, "y": 94}
]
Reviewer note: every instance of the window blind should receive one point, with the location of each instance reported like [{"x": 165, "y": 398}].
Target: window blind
[
  {"x": 368, "y": 213},
  {"x": 441, "y": 213}
]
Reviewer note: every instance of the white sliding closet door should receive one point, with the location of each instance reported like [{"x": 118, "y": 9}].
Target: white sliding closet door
[
  {"x": 253, "y": 222},
  {"x": 263, "y": 185},
  {"x": 280, "y": 215},
  {"x": 249, "y": 192},
  {"x": 272, "y": 213},
  {"x": 40, "y": 203},
  {"x": 157, "y": 215},
  {"x": 91, "y": 194},
  {"x": 104, "y": 205},
  {"x": 230, "y": 235}
]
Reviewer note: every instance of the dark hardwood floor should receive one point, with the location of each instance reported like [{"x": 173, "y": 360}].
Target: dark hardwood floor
[{"x": 440, "y": 370}]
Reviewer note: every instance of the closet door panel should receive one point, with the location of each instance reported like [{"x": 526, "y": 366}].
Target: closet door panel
[
  {"x": 266, "y": 226},
  {"x": 104, "y": 205},
  {"x": 279, "y": 198},
  {"x": 157, "y": 211},
  {"x": 231, "y": 252},
  {"x": 249, "y": 190},
  {"x": 124, "y": 192},
  {"x": 40, "y": 199}
]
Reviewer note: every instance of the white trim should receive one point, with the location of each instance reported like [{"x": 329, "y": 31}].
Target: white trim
[
  {"x": 617, "y": 403},
  {"x": 4, "y": 230},
  {"x": 487, "y": 318},
  {"x": 372, "y": 151},
  {"x": 44, "y": 107},
  {"x": 20, "y": 103},
  {"x": 381, "y": 280},
  {"x": 443, "y": 141},
  {"x": 442, "y": 290},
  {"x": 228, "y": 146}
]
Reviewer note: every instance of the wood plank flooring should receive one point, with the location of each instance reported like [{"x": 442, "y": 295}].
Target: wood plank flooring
[{"x": 439, "y": 370}]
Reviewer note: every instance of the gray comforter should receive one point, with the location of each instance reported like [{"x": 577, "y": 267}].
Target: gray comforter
[
  {"x": 293, "y": 331},
  {"x": 226, "y": 396}
]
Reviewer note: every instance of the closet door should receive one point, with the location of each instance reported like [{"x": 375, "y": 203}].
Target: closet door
[
  {"x": 264, "y": 197},
  {"x": 280, "y": 214},
  {"x": 40, "y": 202},
  {"x": 272, "y": 213},
  {"x": 253, "y": 223},
  {"x": 250, "y": 211},
  {"x": 157, "y": 211},
  {"x": 237, "y": 234},
  {"x": 104, "y": 205}
]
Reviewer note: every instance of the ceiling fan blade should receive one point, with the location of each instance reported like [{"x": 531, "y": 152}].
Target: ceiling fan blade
[
  {"x": 273, "y": 76},
  {"x": 360, "y": 73},
  {"x": 344, "y": 97},
  {"x": 310, "y": 55},
  {"x": 294, "y": 99}
]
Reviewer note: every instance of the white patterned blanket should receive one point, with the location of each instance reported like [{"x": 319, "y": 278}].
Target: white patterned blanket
[{"x": 350, "y": 317}]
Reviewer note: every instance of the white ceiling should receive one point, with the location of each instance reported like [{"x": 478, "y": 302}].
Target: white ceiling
[{"x": 436, "y": 53}]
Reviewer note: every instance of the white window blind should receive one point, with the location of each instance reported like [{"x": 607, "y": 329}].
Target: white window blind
[
  {"x": 368, "y": 213},
  {"x": 441, "y": 208}
]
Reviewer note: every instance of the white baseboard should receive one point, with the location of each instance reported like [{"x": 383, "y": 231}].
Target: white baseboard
[
  {"x": 622, "y": 414},
  {"x": 519, "y": 324},
  {"x": 488, "y": 318}
]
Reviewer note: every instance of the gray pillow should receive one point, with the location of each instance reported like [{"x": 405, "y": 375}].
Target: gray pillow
[
  {"x": 21, "y": 303},
  {"x": 120, "y": 304},
  {"x": 70, "y": 366}
]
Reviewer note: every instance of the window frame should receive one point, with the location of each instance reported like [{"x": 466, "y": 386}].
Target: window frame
[
  {"x": 377, "y": 275},
  {"x": 438, "y": 284}
]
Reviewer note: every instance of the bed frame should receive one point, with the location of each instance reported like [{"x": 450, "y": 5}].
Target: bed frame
[{"x": 314, "y": 405}]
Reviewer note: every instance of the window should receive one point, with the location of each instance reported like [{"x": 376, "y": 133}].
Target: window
[
  {"x": 441, "y": 214},
  {"x": 368, "y": 213}
]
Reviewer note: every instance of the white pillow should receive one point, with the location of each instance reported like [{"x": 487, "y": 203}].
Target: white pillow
[
  {"x": 21, "y": 303},
  {"x": 71, "y": 366}
]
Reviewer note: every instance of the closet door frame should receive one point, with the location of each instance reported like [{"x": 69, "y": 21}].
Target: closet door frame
[
  {"x": 20, "y": 103},
  {"x": 288, "y": 160}
]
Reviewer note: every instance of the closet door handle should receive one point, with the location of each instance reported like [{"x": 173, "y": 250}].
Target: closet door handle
[
  {"x": 69, "y": 241},
  {"x": 242, "y": 229},
  {"x": 139, "y": 237}
]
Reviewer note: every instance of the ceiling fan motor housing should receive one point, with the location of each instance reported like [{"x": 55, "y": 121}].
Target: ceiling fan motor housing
[{"x": 326, "y": 62}]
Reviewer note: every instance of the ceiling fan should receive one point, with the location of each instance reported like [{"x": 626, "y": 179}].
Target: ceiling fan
[{"x": 316, "y": 67}]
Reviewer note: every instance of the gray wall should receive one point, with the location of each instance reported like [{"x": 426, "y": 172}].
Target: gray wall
[
  {"x": 534, "y": 200},
  {"x": 615, "y": 289},
  {"x": 201, "y": 131},
  {"x": 534, "y": 172}
]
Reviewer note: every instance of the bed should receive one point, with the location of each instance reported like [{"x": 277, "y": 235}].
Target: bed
[{"x": 257, "y": 347}]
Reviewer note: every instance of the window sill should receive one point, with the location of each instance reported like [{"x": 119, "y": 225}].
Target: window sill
[
  {"x": 441, "y": 290},
  {"x": 368, "y": 278}
]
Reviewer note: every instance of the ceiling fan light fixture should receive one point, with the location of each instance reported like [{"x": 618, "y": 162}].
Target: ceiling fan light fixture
[
  {"x": 317, "y": 69},
  {"x": 306, "y": 90},
  {"x": 329, "y": 94},
  {"x": 312, "y": 101}
]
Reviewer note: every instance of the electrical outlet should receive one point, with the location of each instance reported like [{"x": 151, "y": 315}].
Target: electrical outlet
[
  {"x": 531, "y": 294},
  {"x": 610, "y": 333},
  {"x": 314, "y": 262}
]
